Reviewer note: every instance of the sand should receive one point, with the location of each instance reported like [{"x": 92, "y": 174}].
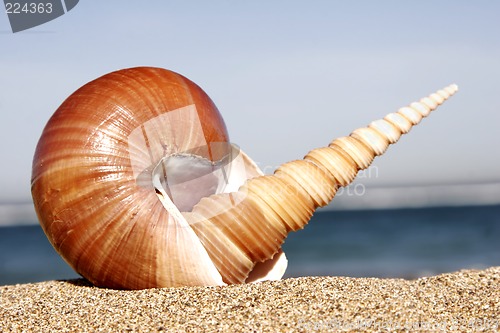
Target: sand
[{"x": 462, "y": 301}]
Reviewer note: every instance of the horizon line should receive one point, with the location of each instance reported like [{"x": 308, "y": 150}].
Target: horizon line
[{"x": 388, "y": 185}]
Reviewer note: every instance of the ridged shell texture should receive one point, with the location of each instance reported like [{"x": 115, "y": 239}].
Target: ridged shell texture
[{"x": 94, "y": 190}]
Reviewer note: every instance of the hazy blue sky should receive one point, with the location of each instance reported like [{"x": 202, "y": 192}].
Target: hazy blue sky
[{"x": 286, "y": 75}]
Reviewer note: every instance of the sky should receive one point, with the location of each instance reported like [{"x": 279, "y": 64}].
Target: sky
[{"x": 287, "y": 76}]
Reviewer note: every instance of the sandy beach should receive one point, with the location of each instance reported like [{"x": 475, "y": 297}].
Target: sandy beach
[{"x": 468, "y": 300}]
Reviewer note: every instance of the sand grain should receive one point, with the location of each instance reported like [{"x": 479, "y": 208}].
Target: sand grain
[{"x": 462, "y": 301}]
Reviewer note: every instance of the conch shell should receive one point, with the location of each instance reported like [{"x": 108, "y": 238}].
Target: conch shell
[{"x": 136, "y": 184}]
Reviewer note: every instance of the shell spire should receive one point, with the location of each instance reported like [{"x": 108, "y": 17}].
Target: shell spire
[
  {"x": 243, "y": 228},
  {"x": 136, "y": 184}
]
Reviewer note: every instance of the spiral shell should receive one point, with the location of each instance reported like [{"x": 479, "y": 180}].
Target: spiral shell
[{"x": 136, "y": 184}]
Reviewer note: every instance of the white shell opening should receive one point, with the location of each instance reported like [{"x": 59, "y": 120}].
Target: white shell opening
[{"x": 187, "y": 178}]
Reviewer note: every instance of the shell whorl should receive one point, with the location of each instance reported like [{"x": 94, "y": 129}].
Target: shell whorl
[
  {"x": 136, "y": 184},
  {"x": 243, "y": 228}
]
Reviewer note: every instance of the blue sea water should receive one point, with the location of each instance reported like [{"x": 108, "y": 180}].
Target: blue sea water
[{"x": 405, "y": 243}]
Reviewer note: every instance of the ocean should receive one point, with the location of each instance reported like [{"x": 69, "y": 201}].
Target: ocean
[{"x": 402, "y": 243}]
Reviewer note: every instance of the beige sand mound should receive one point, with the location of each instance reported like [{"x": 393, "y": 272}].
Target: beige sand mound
[{"x": 463, "y": 301}]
